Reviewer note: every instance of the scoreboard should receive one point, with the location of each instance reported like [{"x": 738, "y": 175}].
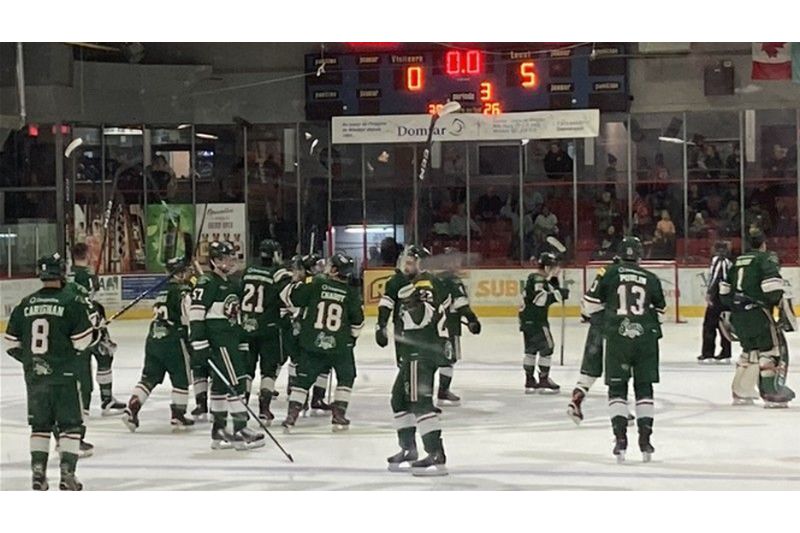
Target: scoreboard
[{"x": 483, "y": 80}]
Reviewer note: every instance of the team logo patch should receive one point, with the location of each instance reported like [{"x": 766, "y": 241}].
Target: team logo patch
[
  {"x": 230, "y": 308},
  {"x": 41, "y": 367},
  {"x": 325, "y": 342},
  {"x": 630, "y": 329}
]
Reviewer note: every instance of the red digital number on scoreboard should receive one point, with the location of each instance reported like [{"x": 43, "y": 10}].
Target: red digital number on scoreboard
[
  {"x": 527, "y": 72},
  {"x": 463, "y": 62},
  {"x": 414, "y": 78}
]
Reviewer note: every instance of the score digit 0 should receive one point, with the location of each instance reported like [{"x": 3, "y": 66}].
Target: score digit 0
[{"x": 414, "y": 80}]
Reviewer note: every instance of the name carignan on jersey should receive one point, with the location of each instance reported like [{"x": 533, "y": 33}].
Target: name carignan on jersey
[{"x": 44, "y": 309}]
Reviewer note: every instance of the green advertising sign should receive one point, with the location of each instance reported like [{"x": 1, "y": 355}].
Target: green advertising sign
[{"x": 166, "y": 226}]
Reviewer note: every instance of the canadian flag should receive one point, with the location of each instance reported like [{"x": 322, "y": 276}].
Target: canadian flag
[{"x": 772, "y": 61}]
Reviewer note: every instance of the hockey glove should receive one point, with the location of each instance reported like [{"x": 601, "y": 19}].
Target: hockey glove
[
  {"x": 564, "y": 293},
  {"x": 474, "y": 326},
  {"x": 381, "y": 337}
]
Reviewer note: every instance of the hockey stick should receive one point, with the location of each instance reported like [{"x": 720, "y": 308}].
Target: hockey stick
[
  {"x": 249, "y": 410},
  {"x": 106, "y": 221},
  {"x": 195, "y": 262},
  {"x": 553, "y": 241},
  {"x": 187, "y": 245},
  {"x": 449, "y": 107}
]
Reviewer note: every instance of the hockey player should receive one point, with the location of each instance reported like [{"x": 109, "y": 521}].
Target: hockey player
[
  {"x": 45, "y": 332},
  {"x": 165, "y": 350},
  {"x": 215, "y": 334},
  {"x": 591, "y": 363},
  {"x": 261, "y": 316},
  {"x": 426, "y": 348},
  {"x": 541, "y": 291},
  {"x": 102, "y": 347},
  {"x": 720, "y": 265},
  {"x": 752, "y": 291},
  {"x": 632, "y": 302},
  {"x": 330, "y": 324},
  {"x": 459, "y": 307}
]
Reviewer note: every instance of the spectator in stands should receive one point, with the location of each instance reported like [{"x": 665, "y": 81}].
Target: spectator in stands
[
  {"x": 757, "y": 216},
  {"x": 665, "y": 226},
  {"x": 643, "y": 170},
  {"x": 546, "y": 224},
  {"x": 712, "y": 162},
  {"x": 453, "y": 163},
  {"x": 610, "y": 173},
  {"x": 557, "y": 163},
  {"x": 733, "y": 163},
  {"x": 390, "y": 251},
  {"x": 605, "y": 212},
  {"x": 642, "y": 214},
  {"x": 444, "y": 211},
  {"x": 785, "y": 224},
  {"x": 730, "y": 222},
  {"x": 488, "y": 205},
  {"x": 662, "y": 246},
  {"x": 698, "y": 228},
  {"x": 609, "y": 243},
  {"x": 510, "y": 211},
  {"x": 458, "y": 223},
  {"x": 695, "y": 200},
  {"x": 777, "y": 164}
]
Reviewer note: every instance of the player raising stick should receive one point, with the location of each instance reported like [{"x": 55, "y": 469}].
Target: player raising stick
[
  {"x": 541, "y": 291},
  {"x": 632, "y": 303},
  {"x": 165, "y": 350}
]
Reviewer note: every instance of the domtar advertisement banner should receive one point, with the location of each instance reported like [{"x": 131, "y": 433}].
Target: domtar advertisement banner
[{"x": 566, "y": 124}]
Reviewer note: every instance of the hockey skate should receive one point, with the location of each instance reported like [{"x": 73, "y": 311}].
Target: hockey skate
[
  {"x": 318, "y": 405},
  {"x": 646, "y": 447},
  {"x": 530, "y": 384},
  {"x": 446, "y": 397},
  {"x": 247, "y": 439},
  {"x": 402, "y": 460},
  {"x": 338, "y": 420},
  {"x": 39, "y": 481},
  {"x": 69, "y": 482},
  {"x": 178, "y": 419},
  {"x": 722, "y": 359},
  {"x": 200, "y": 412},
  {"x": 264, "y": 414},
  {"x": 432, "y": 465},
  {"x": 742, "y": 400},
  {"x": 705, "y": 359},
  {"x": 86, "y": 449},
  {"x": 131, "y": 418},
  {"x": 291, "y": 417},
  {"x": 221, "y": 440},
  {"x": 574, "y": 409},
  {"x": 546, "y": 385},
  {"x": 777, "y": 401},
  {"x": 620, "y": 446},
  {"x": 112, "y": 407}
]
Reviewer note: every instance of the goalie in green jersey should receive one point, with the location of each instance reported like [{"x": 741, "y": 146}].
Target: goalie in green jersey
[
  {"x": 632, "y": 304},
  {"x": 46, "y": 332},
  {"x": 216, "y": 336},
  {"x": 165, "y": 350},
  {"x": 753, "y": 291},
  {"x": 329, "y": 327}
]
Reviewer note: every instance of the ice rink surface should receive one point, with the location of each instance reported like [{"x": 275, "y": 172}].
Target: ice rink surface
[{"x": 498, "y": 439}]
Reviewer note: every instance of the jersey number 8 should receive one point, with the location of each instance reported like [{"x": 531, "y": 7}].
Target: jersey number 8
[
  {"x": 40, "y": 329},
  {"x": 329, "y": 316}
]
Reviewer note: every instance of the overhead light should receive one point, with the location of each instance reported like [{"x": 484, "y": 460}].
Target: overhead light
[
  {"x": 184, "y": 126},
  {"x": 674, "y": 140},
  {"x": 122, "y": 131},
  {"x": 360, "y": 229},
  {"x": 206, "y": 136},
  {"x": 8, "y": 235}
]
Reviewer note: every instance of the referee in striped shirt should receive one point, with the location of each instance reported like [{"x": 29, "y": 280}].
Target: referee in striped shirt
[{"x": 720, "y": 264}]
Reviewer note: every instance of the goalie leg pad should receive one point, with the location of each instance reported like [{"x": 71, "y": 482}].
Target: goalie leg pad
[{"x": 745, "y": 379}]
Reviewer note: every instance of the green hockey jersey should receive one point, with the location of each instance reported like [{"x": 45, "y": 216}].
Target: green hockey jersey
[
  {"x": 84, "y": 278},
  {"x": 171, "y": 311},
  {"x": 261, "y": 303},
  {"x": 46, "y": 331},
  {"x": 630, "y": 298},
  {"x": 333, "y": 313},
  {"x": 387, "y": 306},
  {"x": 754, "y": 277},
  {"x": 459, "y": 302},
  {"x": 424, "y": 331},
  {"x": 214, "y": 315},
  {"x": 537, "y": 296}
]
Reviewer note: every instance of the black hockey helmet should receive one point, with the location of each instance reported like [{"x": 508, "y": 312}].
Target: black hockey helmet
[
  {"x": 547, "y": 259},
  {"x": 219, "y": 249},
  {"x": 344, "y": 265},
  {"x": 630, "y": 249},
  {"x": 313, "y": 263},
  {"x": 722, "y": 248},
  {"x": 52, "y": 267},
  {"x": 176, "y": 264},
  {"x": 419, "y": 252},
  {"x": 269, "y": 251}
]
